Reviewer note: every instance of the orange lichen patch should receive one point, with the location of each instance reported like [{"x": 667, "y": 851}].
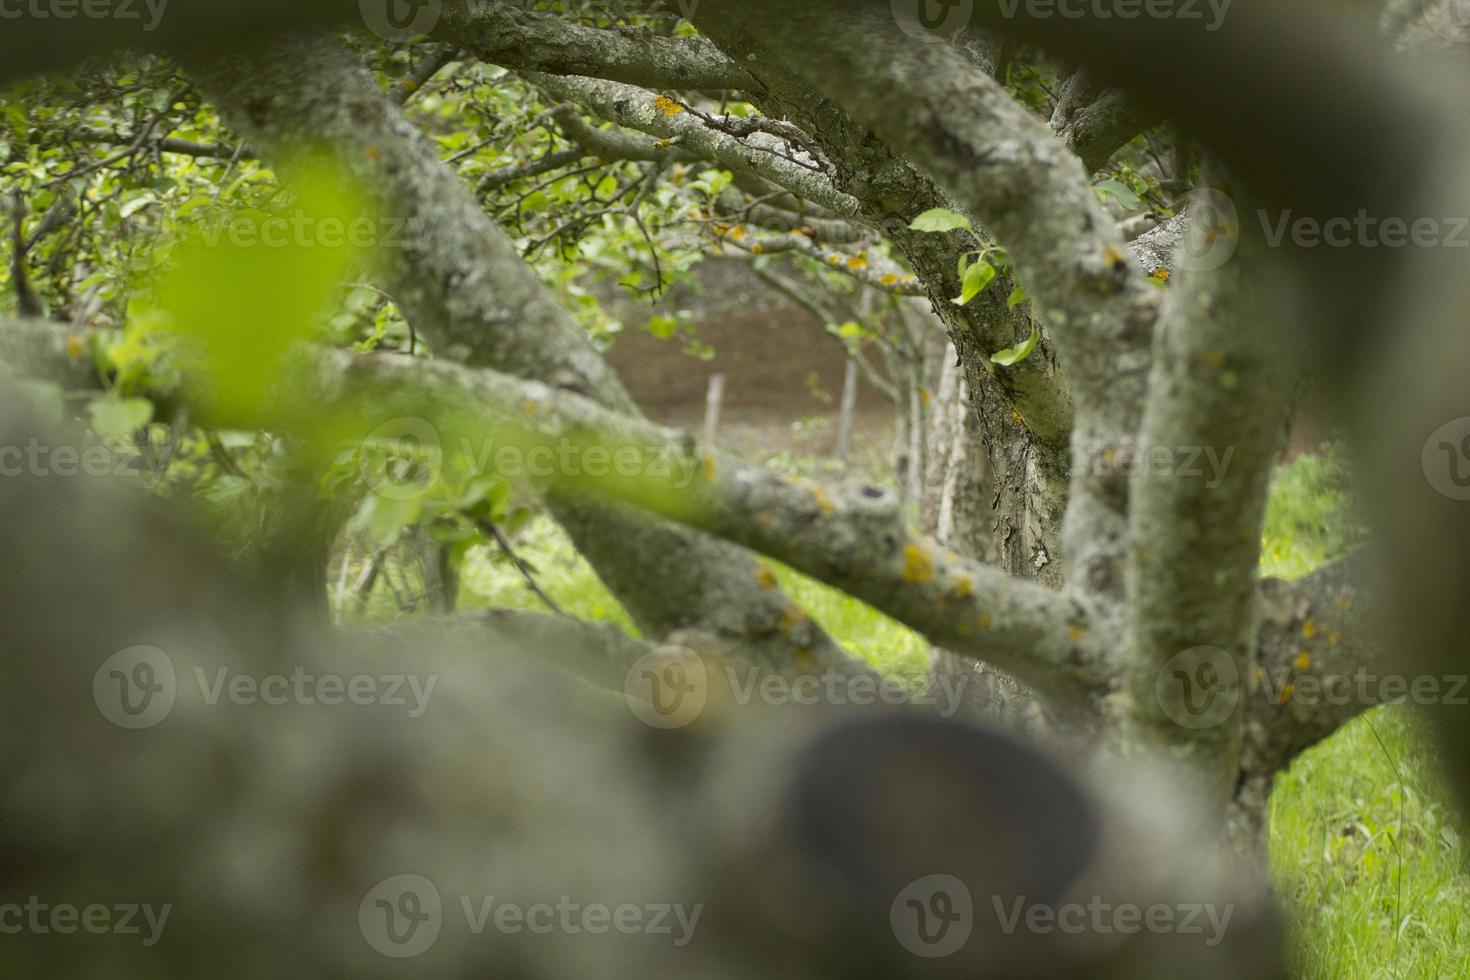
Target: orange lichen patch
[
  {"x": 75, "y": 346},
  {"x": 1114, "y": 256},
  {"x": 1345, "y": 602},
  {"x": 410, "y": 86},
  {"x": 738, "y": 232},
  {"x": 711, "y": 468},
  {"x": 791, "y": 619},
  {"x": 963, "y": 629},
  {"x": 1286, "y": 692},
  {"x": 1258, "y": 675},
  {"x": 1303, "y": 661},
  {"x": 667, "y": 106},
  {"x": 888, "y": 280},
  {"x": 372, "y": 153},
  {"x": 984, "y": 621},
  {"x": 824, "y": 502},
  {"x": 925, "y": 397},
  {"x": 858, "y": 262},
  {"x": 1075, "y": 634},
  {"x": 918, "y": 564},
  {"x": 834, "y": 260},
  {"x": 804, "y": 659},
  {"x": 757, "y": 248},
  {"x": 963, "y": 586},
  {"x": 1334, "y": 638},
  {"x": 764, "y": 575},
  {"x": 1309, "y": 629},
  {"x": 1216, "y": 358},
  {"x": 1161, "y": 274}
]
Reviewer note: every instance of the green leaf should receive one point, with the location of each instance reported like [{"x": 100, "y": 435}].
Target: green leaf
[
  {"x": 1017, "y": 297},
  {"x": 1121, "y": 192},
  {"x": 385, "y": 519},
  {"x": 977, "y": 277},
  {"x": 118, "y": 418},
  {"x": 246, "y": 295},
  {"x": 939, "y": 219},
  {"x": 1015, "y": 355}
]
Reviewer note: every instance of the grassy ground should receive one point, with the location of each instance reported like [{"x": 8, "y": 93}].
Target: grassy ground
[{"x": 1366, "y": 851}]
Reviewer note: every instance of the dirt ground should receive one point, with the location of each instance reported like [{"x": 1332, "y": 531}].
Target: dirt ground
[{"x": 783, "y": 373}]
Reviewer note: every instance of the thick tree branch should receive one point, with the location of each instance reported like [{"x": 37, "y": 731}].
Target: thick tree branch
[
  {"x": 1210, "y": 434},
  {"x": 853, "y": 537},
  {"x": 1029, "y": 191},
  {"x": 525, "y": 40},
  {"x": 468, "y": 291},
  {"x": 1095, "y": 122}
]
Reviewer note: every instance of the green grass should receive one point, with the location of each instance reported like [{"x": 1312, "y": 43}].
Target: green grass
[
  {"x": 1367, "y": 856},
  {"x": 1365, "y": 848}
]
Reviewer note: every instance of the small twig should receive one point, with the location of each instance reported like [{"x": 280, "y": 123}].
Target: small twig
[{"x": 493, "y": 529}]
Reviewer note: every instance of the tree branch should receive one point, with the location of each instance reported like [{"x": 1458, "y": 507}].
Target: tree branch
[{"x": 525, "y": 40}]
